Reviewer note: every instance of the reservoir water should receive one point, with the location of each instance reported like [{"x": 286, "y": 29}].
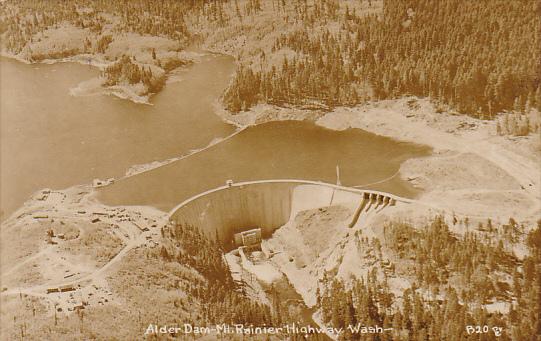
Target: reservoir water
[
  {"x": 276, "y": 150},
  {"x": 50, "y": 139}
]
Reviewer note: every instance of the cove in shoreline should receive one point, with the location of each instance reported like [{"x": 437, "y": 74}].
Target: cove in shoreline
[{"x": 69, "y": 140}]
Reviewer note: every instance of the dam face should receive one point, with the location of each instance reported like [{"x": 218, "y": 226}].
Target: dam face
[{"x": 224, "y": 211}]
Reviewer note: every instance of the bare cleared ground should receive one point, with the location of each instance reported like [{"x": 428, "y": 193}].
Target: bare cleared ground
[
  {"x": 452, "y": 170},
  {"x": 67, "y": 243},
  {"x": 471, "y": 166},
  {"x": 473, "y": 171},
  {"x": 300, "y": 258}
]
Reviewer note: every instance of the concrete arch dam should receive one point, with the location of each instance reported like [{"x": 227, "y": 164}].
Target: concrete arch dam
[{"x": 269, "y": 204}]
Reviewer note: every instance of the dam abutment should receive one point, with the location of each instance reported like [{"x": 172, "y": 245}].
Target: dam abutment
[{"x": 268, "y": 205}]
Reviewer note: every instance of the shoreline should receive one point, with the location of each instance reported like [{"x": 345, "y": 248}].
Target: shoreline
[
  {"x": 119, "y": 91},
  {"x": 389, "y": 118},
  {"x": 91, "y": 59},
  {"x": 122, "y": 91},
  {"x": 407, "y": 119},
  {"x": 139, "y": 226},
  {"x": 146, "y": 167},
  {"x": 511, "y": 179}
]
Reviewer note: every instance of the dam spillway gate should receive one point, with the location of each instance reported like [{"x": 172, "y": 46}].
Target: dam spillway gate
[{"x": 269, "y": 204}]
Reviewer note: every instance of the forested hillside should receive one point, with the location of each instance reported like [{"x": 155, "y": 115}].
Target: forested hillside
[
  {"x": 457, "y": 281},
  {"x": 22, "y": 20},
  {"x": 224, "y": 302},
  {"x": 140, "y": 41},
  {"x": 479, "y": 57}
]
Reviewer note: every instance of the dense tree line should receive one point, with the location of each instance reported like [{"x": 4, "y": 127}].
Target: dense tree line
[
  {"x": 224, "y": 302},
  {"x": 20, "y": 21},
  {"x": 438, "y": 255},
  {"x": 479, "y": 57},
  {"x": 416, "y": 318},
  {"x": 418, "y": 314},
  {"x": 127, "y": 71}
]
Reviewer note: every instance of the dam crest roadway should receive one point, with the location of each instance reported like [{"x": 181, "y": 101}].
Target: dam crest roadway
[{"x": 269, "y": 204}]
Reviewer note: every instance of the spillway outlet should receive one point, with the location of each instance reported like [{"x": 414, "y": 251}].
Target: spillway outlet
[{"x": 249, "y": 239}]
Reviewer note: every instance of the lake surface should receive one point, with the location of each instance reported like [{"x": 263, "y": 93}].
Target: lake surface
[
  {"x": 276, "y": 150},
  {"x": 50, "y": 139}
]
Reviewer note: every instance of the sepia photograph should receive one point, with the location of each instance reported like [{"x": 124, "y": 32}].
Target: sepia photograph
[{"x": 267, "y": 170}]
